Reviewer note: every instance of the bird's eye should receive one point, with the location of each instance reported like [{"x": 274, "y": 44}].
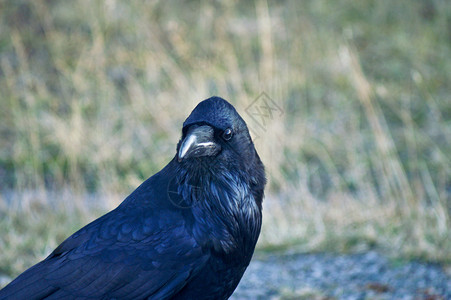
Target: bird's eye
[{"x": 227, "y": 134}]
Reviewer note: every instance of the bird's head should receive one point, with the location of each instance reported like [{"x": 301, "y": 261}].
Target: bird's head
[
  {"x": 220, "y": 171},
  {"x": 215, "y": 132}
]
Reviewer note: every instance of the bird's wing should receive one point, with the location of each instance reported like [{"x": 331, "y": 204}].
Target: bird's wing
[{"x": 124, "y": 254}]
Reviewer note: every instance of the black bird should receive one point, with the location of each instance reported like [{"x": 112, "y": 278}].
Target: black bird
[{"x": 187, "y": 232}]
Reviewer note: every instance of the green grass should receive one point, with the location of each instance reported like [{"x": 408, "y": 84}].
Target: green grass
[{"x": 93, "y": 98}]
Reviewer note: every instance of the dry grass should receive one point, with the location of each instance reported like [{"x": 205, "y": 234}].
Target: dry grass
[{"x": 93, "y": 97}]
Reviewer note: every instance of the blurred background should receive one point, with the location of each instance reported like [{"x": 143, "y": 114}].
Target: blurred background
[{"x": 348, "y": 103}]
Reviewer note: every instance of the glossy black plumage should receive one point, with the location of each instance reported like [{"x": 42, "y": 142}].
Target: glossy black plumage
[{"x": 188, "y": 232}]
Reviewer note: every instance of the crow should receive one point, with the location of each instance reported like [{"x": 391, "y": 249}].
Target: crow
[{"x": 187, "y": 232}]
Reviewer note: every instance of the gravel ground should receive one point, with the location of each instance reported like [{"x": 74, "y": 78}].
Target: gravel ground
[{"x": 328, "y": 276}]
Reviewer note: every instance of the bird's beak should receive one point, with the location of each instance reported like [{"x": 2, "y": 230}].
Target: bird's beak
[{"x": 199, "y": 141}]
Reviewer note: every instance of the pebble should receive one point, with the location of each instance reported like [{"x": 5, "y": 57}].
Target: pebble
[{"x": 363, "y": 276}]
